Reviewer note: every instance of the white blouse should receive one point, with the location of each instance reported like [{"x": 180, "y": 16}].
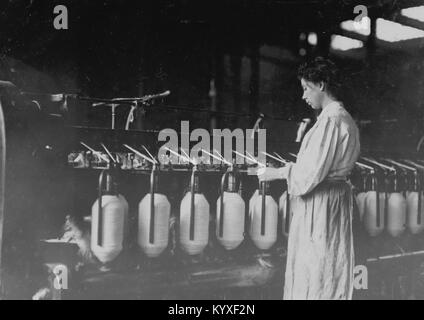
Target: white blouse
[{"x": 328, "y": 151}]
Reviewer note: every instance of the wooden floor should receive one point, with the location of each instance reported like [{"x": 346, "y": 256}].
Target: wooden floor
[{"x": 245, "y": 274}]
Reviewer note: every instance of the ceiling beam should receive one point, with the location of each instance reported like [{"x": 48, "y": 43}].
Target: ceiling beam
[
  {"x": 408, "y": 21},
  {"x": 351, "y": 34}
]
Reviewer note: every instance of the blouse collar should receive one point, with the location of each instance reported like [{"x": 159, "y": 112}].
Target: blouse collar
[{"x": 332, "y": 106}]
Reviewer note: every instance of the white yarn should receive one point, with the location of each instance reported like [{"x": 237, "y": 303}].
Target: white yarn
[
  {"x": 161, "y": 228},
  {"x": 201, "y": 224},
  {"x": 266, "y": 241},
  {"x": 234, "y": 220},
  {"x": 412, "y": 212},
  {"x": 360, "y": 202},
  {"x": 115, "y": 211},
  {"x": 370, "y": 215},
  {"x": 396, "y": 214}
]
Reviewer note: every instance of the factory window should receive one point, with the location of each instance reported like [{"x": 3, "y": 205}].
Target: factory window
[
  {"x": 416, "y": 13},
  {"x": 392, "y": 32},
  {"x": 386, "y": 30},
  {"x": 343, "y": 43},
  {"x": 363, "y": 27}
]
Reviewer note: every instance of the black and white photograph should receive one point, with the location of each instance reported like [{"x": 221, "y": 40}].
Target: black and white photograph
[{"x": 231, "y": 151}]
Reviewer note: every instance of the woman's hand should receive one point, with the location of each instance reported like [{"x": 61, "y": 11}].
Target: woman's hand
[{"x": 269, "y": 174}]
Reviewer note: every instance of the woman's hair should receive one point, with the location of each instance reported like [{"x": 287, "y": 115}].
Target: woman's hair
[{"x": 322, "y": 70}]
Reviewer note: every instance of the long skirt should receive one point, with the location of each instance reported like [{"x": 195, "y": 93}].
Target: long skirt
[{"x": 320, "y": 255}]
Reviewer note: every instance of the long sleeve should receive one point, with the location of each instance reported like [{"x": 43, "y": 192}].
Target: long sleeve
[{"x": 315, "y": 159}]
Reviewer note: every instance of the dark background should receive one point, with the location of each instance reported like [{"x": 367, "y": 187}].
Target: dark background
[{"x": 250, "y": 49}]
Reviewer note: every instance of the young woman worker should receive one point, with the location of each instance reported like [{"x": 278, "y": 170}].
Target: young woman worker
[{"x": 320, "y": 257}]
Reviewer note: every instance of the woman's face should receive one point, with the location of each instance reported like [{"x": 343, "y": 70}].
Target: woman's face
[{"x": 313, "y": 93}]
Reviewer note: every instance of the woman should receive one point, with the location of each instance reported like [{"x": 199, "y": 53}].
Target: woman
[{"x": 320, "y": 257}]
